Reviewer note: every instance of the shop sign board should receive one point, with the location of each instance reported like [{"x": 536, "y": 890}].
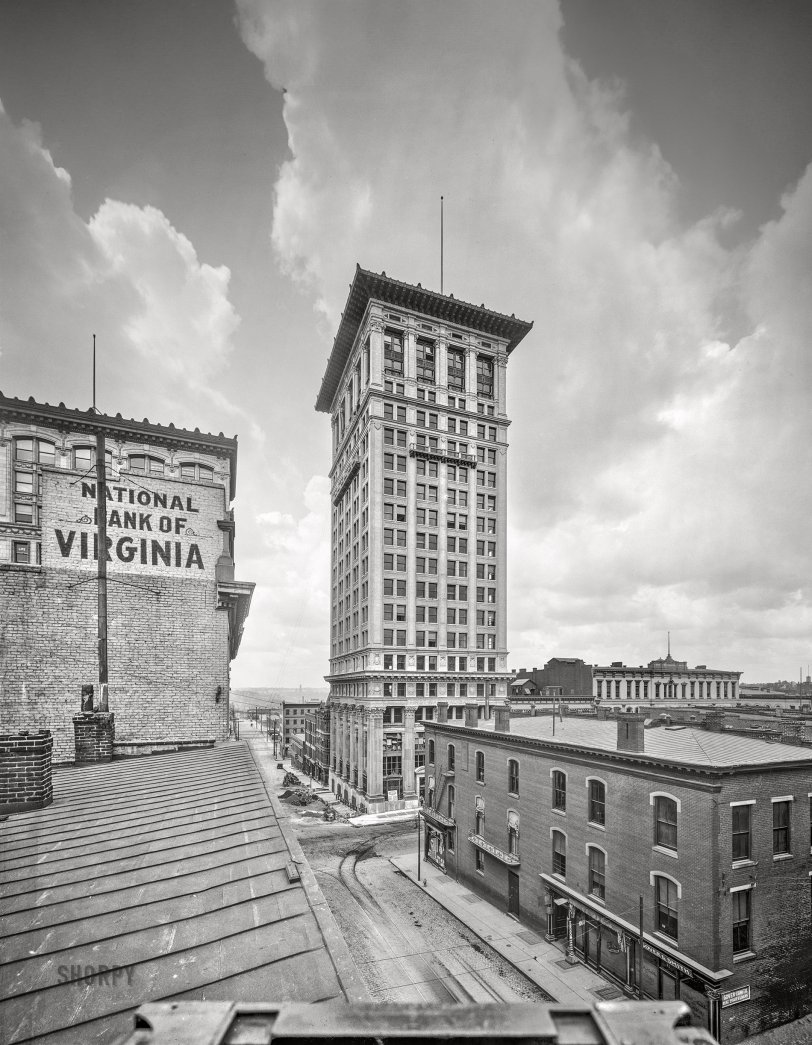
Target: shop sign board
[{"x": 735, "y": 997}]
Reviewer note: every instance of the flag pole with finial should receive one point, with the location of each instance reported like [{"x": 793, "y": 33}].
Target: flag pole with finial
[{"x": 441, "y": 244}]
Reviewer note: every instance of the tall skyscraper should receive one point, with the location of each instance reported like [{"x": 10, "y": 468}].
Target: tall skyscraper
[{"x": 415, "y": 386}]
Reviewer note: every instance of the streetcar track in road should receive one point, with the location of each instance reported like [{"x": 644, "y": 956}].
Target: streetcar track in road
[{"x": 432, "y": 958}]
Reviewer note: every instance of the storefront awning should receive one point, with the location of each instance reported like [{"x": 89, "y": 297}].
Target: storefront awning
[
  {"x": 670, "y": 955},
  {"x": 442, "y": 823}
]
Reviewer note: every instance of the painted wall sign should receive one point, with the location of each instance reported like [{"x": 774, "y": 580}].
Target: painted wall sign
[
  {"x": 735, "y": 997},
  {"x": 153, "y": 525}
]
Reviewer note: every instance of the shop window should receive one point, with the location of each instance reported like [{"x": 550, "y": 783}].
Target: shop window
[
  {"x": 559, "y": 790},
  {"x": 559, "y": 853},
  {"x": 667, "y": 895}
]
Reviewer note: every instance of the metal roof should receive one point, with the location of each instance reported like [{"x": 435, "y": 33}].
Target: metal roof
[
  {"x": 697, "y": 748},
  {"x": 172, "y": 870},
  {"x": 443, "y": 307}
]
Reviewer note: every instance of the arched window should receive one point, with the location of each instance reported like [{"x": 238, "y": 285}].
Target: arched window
[
  {"x": 597, "y": 872},
  {"x": 451, "y": 758},
  {"x": 666, "y": 897},
  {"x": 513, "y": 832},
  {"x": 513, "y": 776},
  {"x": 479, "y": 820},
  {"x": 145, "y": 464},
  {"x": 665, "y": 822},
  {"x": 597, "y": 802},
  {"x": 559, "y": 790},
  {"x": 431, "y": 753},
  {"x": 480, "y": 767},
  {"x": 560, "y": 853}
]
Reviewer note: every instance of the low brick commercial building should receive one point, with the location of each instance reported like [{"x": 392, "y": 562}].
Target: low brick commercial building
[
  {"x": 175, "y": 611},
  {"x": 664, "y": 679},
  {"x": 675, "y": 861}
]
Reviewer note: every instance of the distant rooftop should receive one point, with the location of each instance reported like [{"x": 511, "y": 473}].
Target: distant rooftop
[
  {"x": 684, "y": 746},
  {"x": 446, "y": 308}
]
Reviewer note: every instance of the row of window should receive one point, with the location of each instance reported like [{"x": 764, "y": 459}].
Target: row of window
[
  {"x": 41, "y": 451},
  {"x": 639, "y": 689},
  {"x": 425, "y": 362}
]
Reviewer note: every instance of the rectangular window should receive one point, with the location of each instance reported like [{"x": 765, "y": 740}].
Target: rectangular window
[
  {"x": 24, "y": 482},
  {"x": 456, "y": 370},
  {"x": 741, "y": 920},
  {"x": 781, "y": 833},
  {"x": 425, "y": 361},
  {"x": 484, "y": 376},
  {"x": 741, "y": 832},
  {"x": 393, "y": 352}
]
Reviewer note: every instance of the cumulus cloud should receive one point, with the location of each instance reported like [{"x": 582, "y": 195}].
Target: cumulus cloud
[
  {"x": 163, "y": 318},
  {"x": 660, "y": 447}
]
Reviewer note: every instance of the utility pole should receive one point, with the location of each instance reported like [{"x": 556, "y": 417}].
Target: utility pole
[{"x": 101, "y": 528}]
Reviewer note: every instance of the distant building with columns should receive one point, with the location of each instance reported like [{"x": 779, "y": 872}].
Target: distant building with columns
[
  {"x": 662, "y": 681},
  {"x": 416, "y": 389}
]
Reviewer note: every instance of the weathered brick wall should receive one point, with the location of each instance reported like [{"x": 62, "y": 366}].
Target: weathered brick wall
[
  {"x": 167, "y": 653},
  {"x": 94, "y": 733},
  {"x": 780, "y": 972},
  {"x": 25, "y": 771},
  {"x": 167, "y": 640}
]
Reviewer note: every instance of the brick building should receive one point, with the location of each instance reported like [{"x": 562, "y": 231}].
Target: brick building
[
  {"x": 175, "y": 612},
  {"x": 294, "y": 717},
  {"x": 663, "y": 679},
  {"x": 416, "y": 389},
  {"x": 317, "y": 742},
  {"x": 560, "y": 677},
  {"x": 579, "y": 833}
]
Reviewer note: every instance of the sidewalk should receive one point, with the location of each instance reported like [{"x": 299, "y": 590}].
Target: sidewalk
[{"x": 527, "y": 951}]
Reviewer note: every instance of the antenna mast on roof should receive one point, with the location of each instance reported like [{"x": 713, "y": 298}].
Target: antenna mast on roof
[
  {"x": 441, "y": 244},
  {"x": 94, "y": 373}
]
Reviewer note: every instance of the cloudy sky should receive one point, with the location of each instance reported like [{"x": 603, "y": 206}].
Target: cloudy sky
[{"x": 194, "y": 183}]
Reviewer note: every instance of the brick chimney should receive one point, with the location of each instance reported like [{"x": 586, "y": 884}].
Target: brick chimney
[
  {"x": 631, "y": 731},
  {"x": 471, "y": 716},
  {"x": 442, "y": 711},
  {"x": 502, "y": 718}
]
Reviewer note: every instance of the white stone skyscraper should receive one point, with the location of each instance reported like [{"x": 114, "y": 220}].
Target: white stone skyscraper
[{"x": 415, "y": 386}]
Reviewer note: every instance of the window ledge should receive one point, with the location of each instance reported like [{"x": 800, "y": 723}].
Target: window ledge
[
  {"x": 664, "y": 851},
  {"x": 597, "y": 899},
  {"x": 597, "y": 826},
  {"x": 513, "y": 794},
  {"x": 782, "y": 856},
  {"x": 559, "y": 812},
  {"x": 743, "y": 863},
  {"x": 745, "y": 956},
  {"x": 666, "y": 938}
]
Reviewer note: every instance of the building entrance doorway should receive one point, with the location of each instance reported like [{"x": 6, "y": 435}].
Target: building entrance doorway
[{"x": 513, "y": 893}]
